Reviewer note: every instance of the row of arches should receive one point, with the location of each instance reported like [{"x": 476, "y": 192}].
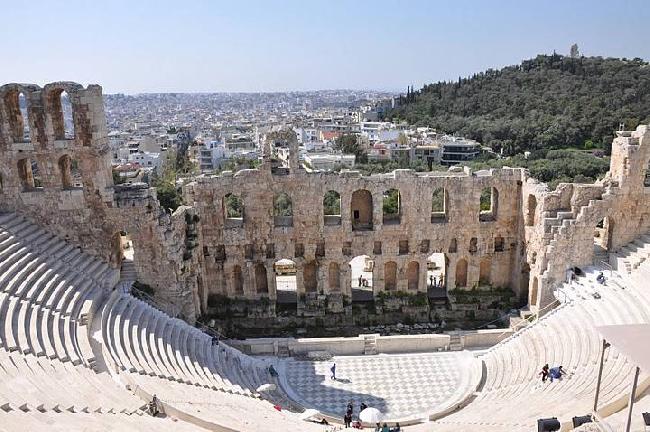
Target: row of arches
[
  {"x": 361, "y": 207},
  {"x": 288, "y": 276},
  {"x": 31, "y": 176},
  {"x": 59, "y": 106}
]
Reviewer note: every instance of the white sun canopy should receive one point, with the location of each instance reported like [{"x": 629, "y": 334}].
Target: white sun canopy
[{"x": 633, "y": 340}]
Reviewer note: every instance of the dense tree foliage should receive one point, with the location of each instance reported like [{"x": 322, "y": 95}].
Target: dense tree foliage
[
  {"x": 349, "y": 144},
  {"x": 332, "y": 203},
  {"x": 549, "y": 102}
]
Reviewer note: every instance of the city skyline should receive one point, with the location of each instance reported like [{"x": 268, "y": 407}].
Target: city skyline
[{"x": 255, "y": 46}]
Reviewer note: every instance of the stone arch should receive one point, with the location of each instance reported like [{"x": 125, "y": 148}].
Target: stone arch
[
  {"x": 69, "y": 170},
  {"x": 237, "y": 279},
  {"x": 61, "y": 113},
  {"x": 334, "y": 277},
  {"x": 436, "y": 277},
  {"x": 485, "y": 271},
  {"x": 489, "y": 204},
  {"x": 233, "y": 210},
  {"x": 310, "y": 277},
  {"x": 439, "y": 205},
  {"x": 534, "y": 292},
  {"x": 391, "y": 207},
  {"x": 282, "y": 210},
  {"x": 461, "y": 273},
  {"x": 361, "y": 274},
  {"x": 413, "y": 275},
  {"x": 332, "y": 208},
  {"x": 361, "y": 210},
  {"x": 390, "y": 276},
  {"x": 261, "y": 281},
  {"x": 29, "y": 174},
  {"x": 17, "y": 110},
  {"x": 531, "y": 209}
]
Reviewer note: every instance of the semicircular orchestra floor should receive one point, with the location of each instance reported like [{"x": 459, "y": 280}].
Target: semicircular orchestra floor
[{"x": 404, "y": 387}]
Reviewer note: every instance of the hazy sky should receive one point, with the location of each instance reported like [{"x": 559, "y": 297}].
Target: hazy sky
[{"x": 192, "y": 45}]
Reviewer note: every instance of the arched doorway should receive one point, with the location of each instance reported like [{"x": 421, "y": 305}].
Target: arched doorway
[
  {"x": 461, "y": 273},
  {"x": 310, "y": 277},
  {"x": 286, "y": 286},
  {"x": 361, "y": 210},
  {"x": 361, "y": 278},
  {"x": 413, "y": 275},
  {"x": 485, "y": 272},
  {"x": 437, "y": 275},
  {"x": 390, "y": 276}
]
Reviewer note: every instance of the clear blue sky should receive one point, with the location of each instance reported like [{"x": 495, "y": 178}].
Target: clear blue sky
[{"x": 240, "y": 45}]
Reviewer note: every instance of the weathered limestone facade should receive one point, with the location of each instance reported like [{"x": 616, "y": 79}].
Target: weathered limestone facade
[
  {"x": 94, "y": 214},
  {"x": 525, "y": 242}
]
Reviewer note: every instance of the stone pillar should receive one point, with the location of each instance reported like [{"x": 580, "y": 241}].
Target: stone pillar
[{"x": 270, "y": 280}]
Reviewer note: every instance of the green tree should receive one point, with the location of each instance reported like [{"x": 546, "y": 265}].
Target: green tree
[
  {"x": 349, "y": 144},
  {"x": 332, "y": 203},
  {"x": 574, "y": 53},
  {"x": 168, "y": 193}
]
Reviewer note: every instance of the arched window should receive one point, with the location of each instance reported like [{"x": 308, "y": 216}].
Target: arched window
[
  {"x": 61, "y": 114},
  {"x": 489, "y": 204},
  {"x": 16, "y": 108},
  {"x": 261, "y": 282},
  {"x": 485, "y": 272},
  {"x": 310, "y": 276},
  {"x": 69, "y": 169},
  {"x": 334, "y": 277},
  {"x": 390, "y": 276},
  {"x": 413, "y": 275},
  {"x": 361, "y": 210},
  {"x": 532, "y": 207},
  {"x": 332, "y": 208},
  {"x": 461, "y": 273},
  {"x": 29, "y": 174},
  {"x": 237, "y": 280},
  {"x": 439, "y": 205},
  {"x": 391, "y": 207},
  {"x": 282, "y": 210},
  {"x": 233, "y": 210},
  {"x": 473, "y": 245}
]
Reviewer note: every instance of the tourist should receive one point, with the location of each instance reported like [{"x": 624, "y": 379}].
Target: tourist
[
  {"x": 347, "y": 420},
  {"x": 362, "y": 406},
  {"x": 360, "y": 281},
  {"x": 397, "y": 428},
  {"x": 357, "y": 425},
  {"x": 385, "y": 428},
  {"x": 556, "y": 373},
  {"x": 333, "y": 369},
  {"x": 432, "y": 281},
  {"x": 153, "y": 406},
  {"x": 378, "y": 427},
  {"x": 600, "y": 278},
  {"x": 215, "y": 340},
  {"x": 544, "y": 372},
  {"x": 440, "y": 281}
]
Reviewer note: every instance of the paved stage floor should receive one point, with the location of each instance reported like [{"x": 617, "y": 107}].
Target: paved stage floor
[{"x": 403, "y": 387}]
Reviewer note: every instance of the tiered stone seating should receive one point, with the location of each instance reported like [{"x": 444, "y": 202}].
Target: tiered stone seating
[
  {"x": 514, "y": 397},
  {"x": 165, "y": 356},
  {"x": 65, "y": 422}
]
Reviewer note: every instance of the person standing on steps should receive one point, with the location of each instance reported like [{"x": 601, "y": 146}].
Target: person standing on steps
[
  {"x": 333, "y": 370},
  {"x": 544, "y": 372}
]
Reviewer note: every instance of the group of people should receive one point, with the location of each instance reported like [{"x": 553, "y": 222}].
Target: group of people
[
  {"x": 435, "y": 282},
  {"x": 551, "y": 373},
  {"x": 347, "y": 420}
]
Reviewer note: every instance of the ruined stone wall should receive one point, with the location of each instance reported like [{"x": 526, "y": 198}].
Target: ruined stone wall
[
  {"x": 35, "y": 180},
  {"x": 315, "y": 242}
]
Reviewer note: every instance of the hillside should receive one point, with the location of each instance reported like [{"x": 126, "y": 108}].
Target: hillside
[{"x": 548, "y": 102}]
